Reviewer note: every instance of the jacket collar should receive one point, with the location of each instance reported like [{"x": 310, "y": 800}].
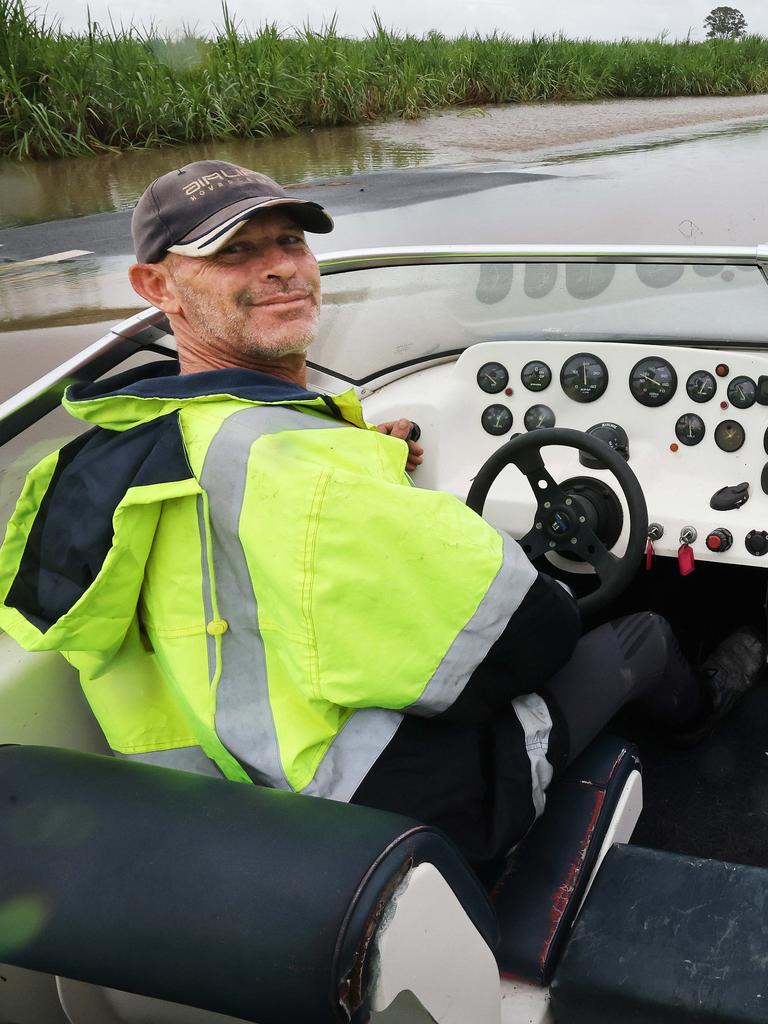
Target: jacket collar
[
  {"x": 163, "y": 380},
  {"x": 158, "y": 389}
]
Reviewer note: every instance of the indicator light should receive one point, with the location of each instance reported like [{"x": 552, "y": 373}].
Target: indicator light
[
  {"x": 508, "y": 391},
  {"x": 722, "y": 370},
  {"x": 723, "y": 405},
  {"x": 674, "y": 447}
]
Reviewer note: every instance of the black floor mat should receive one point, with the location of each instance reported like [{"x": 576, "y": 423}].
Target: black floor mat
[{"x": 710, "y": 800}]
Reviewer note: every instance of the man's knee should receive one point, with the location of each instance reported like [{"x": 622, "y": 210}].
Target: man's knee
[{"x": 646, "y": 641}]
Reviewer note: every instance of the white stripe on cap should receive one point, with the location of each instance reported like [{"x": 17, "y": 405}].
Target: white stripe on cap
[{"x": 217, "y": 238}]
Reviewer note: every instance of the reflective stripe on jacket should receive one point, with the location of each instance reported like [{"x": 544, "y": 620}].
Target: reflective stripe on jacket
[{"x": 246, "y": 580}]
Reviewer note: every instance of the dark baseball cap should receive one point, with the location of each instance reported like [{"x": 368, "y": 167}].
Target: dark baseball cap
[{"x": 196, "y": 209}]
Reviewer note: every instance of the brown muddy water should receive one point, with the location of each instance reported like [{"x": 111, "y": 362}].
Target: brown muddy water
[
  {"x": 35, "y": 191},
  {"x": 643, "y": 171}
]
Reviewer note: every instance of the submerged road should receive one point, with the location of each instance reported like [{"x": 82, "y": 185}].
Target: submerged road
[{"x": 109, "y": 234}]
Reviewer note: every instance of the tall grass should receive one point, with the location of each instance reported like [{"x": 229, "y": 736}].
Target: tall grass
[{"x": 115, "y": 88}]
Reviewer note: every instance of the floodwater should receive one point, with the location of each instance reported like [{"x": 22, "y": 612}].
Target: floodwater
[
  {"x": 643, "y": 171},
  {"x": 545, "y": 133}
]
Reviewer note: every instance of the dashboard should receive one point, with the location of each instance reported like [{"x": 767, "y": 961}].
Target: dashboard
[{"x": 692, "y": 423}]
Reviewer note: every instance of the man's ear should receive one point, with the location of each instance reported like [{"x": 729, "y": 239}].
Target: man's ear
[{"x": 153, "y": 282}]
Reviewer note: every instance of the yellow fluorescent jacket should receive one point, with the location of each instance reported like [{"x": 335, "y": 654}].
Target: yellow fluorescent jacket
[{"x": 247, "y": 581}]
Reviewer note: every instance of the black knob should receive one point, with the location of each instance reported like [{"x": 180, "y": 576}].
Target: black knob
[
  {"x": 719, "y": 540},
  {"x": 415, "y": 433},
  {"x": 756, "y": 542}
]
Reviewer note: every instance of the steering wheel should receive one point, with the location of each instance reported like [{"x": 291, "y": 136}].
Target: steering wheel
[{"x": 560, "y": 523}]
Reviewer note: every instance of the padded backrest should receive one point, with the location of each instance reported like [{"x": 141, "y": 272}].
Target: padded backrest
[
  {"x": 252, "y": 902},
  {"x": 545, "y": 881}
]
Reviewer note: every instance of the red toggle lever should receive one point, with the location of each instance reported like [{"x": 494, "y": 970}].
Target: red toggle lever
[{"x": 649, "y": 555}]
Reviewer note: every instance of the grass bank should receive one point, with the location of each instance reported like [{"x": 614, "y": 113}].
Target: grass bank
[{"x": 63, "y": 94}]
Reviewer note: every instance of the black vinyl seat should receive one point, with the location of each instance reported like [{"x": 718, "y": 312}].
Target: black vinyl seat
[
  {"x": 667, "y": 939},
  {"x": 258, "y": 903},
  {"x": 247, "y": 901},
  {"x": 542, "y": 888}
]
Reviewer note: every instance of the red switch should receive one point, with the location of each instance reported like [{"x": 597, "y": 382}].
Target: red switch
[{"x": 719, "y": 540}]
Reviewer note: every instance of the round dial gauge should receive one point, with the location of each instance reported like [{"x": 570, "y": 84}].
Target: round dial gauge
[
  {"x": 742, "y": 392},
  {"x": 497, "y": 419},
  {"x": 614, "y": 435},
  {"x": 701, "y": 386},
  {"x": 653, "y": 381},
  {"x": 584, "y": 377},
  {"x": 690, "y": 429},
  {"x": 536, "y": 376},
  {"x": 539, "y": 416},
  {"x": 492, "y": 378},
  {"x": 729, "y": 435}
]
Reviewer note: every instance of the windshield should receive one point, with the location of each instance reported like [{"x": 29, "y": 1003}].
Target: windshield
[{"x": 375, "y": 320}]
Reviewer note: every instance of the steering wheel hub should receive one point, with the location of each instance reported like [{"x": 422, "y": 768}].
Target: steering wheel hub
[
  {"x": 598, "y": 504},
  {"x": 560, "y": 523}
]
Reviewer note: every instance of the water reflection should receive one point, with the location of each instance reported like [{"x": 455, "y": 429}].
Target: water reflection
[
  {"x": 678, "y": 137},
  {"x": 75, "y": 291},
  {"x": 56, "y": 189}
]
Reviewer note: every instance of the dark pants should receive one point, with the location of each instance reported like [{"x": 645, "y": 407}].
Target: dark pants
[
  {"x": 473, "y": 779},
  {"x": 633, "y": 660}
]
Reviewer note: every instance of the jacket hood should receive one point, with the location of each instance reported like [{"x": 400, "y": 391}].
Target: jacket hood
[{"x": 157, "y": 389}]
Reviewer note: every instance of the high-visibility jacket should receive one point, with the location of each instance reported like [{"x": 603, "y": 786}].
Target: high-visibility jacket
[{"x": 246, "y": 580}]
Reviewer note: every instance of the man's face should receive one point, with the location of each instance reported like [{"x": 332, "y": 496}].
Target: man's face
[{"x": 259, "y": 296}]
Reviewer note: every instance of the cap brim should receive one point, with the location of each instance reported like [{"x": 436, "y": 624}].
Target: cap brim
[{"x": 214, "y": 233}]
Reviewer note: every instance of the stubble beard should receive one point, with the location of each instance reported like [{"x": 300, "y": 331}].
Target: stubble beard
[{"x": 231, "y": 328}]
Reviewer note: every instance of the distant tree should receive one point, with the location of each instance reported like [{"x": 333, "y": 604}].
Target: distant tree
[{"x": 725, "y": 23}]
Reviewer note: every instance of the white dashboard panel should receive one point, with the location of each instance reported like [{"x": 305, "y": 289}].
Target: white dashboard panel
[{"x": 678, "y": 481}]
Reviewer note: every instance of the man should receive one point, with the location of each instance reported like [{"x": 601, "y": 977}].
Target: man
[{"x": 250, "y": 587}]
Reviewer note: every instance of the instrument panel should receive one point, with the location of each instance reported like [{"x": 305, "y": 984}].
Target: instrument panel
[
  {"x": 652, "y": 382},
  {"x": 692, "y": 423}
]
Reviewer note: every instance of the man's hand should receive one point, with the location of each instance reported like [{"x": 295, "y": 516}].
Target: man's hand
[{"x": 401, "y": 429}]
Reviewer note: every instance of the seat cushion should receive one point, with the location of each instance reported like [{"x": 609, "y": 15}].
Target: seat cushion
[
  {"x": 667, "y": 939},
  {"x": 252, "y": 902}
]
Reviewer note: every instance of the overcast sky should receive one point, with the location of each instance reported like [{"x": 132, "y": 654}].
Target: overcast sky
[{"x": 599, "y": 19}]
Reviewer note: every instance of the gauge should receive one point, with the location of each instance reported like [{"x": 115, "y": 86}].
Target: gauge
[
  {"x": 701, "y": 386},
  {"x": 536, "y": 376},
  {"x": 614, "y": 435},
  {"x": 497, "y": 419},
  {"x": 492, "y": 378},
  {"x": 539, "y": 416},
  {"x": 653, "y": 381},
  {"x": 742, "y": 392},
  {"x": 690, "y": 429},
  {"x": 584, "y": 377},
  {"x": 729, "y": 435}
]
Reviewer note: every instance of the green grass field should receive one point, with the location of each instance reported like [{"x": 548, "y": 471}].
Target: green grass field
[{"x": 63, "y": 94}]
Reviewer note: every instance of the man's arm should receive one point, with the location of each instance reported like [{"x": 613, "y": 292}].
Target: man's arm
[
  {"x": 536, "y": 642},
  {"x": 71, "y": 566}
]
